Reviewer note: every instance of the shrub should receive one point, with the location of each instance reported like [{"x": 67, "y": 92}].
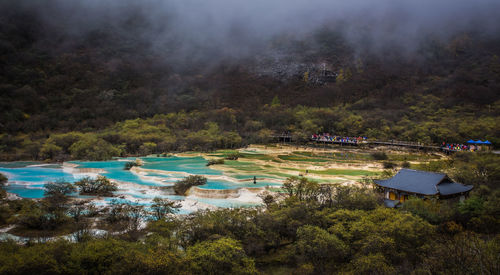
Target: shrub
[
  {"x": 215, "y": 161},
  {"x": 90, "y": 147},
  {"x": 222, "y": 256},
  {"x": 125, "y": 216},
  {"x": 161, "y": 208},
  {"x": 406, "y": 164},
  {"x": 183, "y": 185},
  {"x": 389, "y": 165},
  {"x": 3, "y": 179},
  {"x": 233, "y": 156},
  {"x": 130, "y": 164},
  {"x": 433, "y": 211},
  {"x": 58, "y": 192},
  {"x": 99, "y": 186},
  {"x": 379, "y": 156}
]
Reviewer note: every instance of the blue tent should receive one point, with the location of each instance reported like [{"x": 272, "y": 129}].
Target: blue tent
[
  {"x": 487, "y": 142},
  {"x": 479, "y": 141},
  {"x": 471, "y": 142}
]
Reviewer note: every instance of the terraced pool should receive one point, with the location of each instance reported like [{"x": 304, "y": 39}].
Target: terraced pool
[{"x": 27, "y": 179}]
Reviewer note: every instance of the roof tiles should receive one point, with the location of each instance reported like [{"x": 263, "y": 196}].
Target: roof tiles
[{"x": 422, "y": 182}]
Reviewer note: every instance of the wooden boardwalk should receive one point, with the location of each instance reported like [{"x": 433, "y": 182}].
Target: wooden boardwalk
[
  {"x": 408, "y": 144},
  {"x": 282, "y": 138}
]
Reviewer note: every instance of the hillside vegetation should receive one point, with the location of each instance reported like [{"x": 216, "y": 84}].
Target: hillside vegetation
[
  {"x": 307, "y": 228},
  {"x": 115, "y": 95}
]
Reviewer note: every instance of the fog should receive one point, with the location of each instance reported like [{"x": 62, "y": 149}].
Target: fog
[{"x": 234, "y": 28}]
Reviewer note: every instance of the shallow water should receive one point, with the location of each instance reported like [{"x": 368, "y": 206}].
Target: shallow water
[
  {"x": 192, "y": 165},
  {"x": 26, "y": 179}
]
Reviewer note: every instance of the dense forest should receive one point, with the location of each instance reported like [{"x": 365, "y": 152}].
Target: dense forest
[
  {"x": 306, "y": 229},
  {"x": 106, "y": 90}
]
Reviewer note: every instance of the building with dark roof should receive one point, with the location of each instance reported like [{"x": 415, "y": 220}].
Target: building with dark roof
[{"x": 422, "y": 184}]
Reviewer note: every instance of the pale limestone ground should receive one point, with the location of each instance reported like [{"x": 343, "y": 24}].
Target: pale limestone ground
[
  {"x": 269, "y": 170},
  {"x": 297, "y": 168}
]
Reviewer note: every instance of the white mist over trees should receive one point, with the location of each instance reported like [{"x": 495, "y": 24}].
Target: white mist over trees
[{"x": 190, "y": 29}]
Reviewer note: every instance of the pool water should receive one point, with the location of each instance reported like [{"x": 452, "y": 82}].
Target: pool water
[
  {"x": 27, "y": 179},
  {"x": 192, "y": 165},
  {"x": 220, "y": 184},
  {"x": 36, "y": 174}
]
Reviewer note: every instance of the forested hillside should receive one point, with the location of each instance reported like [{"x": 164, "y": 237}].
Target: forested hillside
[
  {"x": 56, "y": 79},
  {"x": 308, "y": 228}
]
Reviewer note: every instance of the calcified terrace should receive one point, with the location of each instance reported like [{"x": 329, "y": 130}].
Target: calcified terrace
[{"x": 229, "y": 185}]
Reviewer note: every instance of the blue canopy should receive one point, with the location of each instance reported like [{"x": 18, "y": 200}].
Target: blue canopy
[
  {"x": 487, "y": 142},
  {"x": 479, "y": 141},
  {"x": 471, "y": 141}
]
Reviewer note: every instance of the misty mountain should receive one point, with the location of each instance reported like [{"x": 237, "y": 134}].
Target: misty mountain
[{"x": 69, "y": 65}]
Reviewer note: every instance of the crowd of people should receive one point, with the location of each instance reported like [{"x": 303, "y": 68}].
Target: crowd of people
[
  {"x": 456, "y": 147},
  {"x": 326, "y": 137},
  {"x": 330, "y": 138}
]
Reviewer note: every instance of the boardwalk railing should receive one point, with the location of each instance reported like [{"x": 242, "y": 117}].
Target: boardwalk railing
[
  {"x": 403, "y": 143},
  {"x": 411, "y": 144},
  {"x": 352, "y": 141},
  {"x": 282, "y": 138},
  {"x": 356, "y": 142}
]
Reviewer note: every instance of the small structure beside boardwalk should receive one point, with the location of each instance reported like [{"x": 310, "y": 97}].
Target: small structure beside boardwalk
[
  {"x": 408, "y": 182},
  {"x": 471, "y": 145},
  {"x": 284, "y": 137},
  {"x": 478, "y": 145}
]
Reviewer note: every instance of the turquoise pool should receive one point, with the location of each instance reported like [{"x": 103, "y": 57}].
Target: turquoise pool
[{"x": 27, "y": 179}]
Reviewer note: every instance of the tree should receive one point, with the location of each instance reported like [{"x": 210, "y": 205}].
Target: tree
[
  {"x": 302, "y": 188},
  {"x": 352, "y": 197},
  {"x": 135, "y": 214},
  {"x": 267, "y": 198},
  {"x": 130, "y": 164},
  {"x": 58, "y": 191},
  {"x": 231, "y": 139},
  {"x": 125, "y": 216},
  {"x": 433, "y": 211},
  {"x": 396, "y": 235},
  {"x": 41, "y": 216},
  {"x": 222, "y": 256},
  {"x": 276, "y": 101},
  {"x": 90, "y": 147},
  {"x": 163, "y": 207},
  {"x": 99, "y": 186},
  {"x": 214, "y": 162},
  {"x": 317, "y": 246},
  {"x": 373, "y": 264},
  {"x": 50, "y": 151},
  {"x": 148, "y": 148},
  {"x": 477, "y": 169},
  {"x": 3, "y": 181},
  {"x": 233, "y": 156},
  {"x": 379, "y": 156},
  {"x": 183, "y": 185},
  {"x": 465, "y": 253},
  {"x": 159, "y": 260}
]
